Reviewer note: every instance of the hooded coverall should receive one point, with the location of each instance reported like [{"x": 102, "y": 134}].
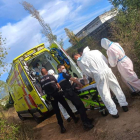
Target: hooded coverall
[
  {"x": 116, "y": 56},
  {"x": 95, "y": 66}
]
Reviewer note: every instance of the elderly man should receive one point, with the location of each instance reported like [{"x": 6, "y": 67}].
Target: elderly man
[
  {"x": 94, "y": 64},
  {"x": 51, "y": 87}
]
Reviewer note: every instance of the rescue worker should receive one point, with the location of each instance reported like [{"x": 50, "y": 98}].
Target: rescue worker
[
  {"x": 63, "y": 80},
  {"x": 76, "y": 57},
  {"x": 62, "y": 109},
  {"x": 93, "y": 63},
  {"x": 117, "y": 57},
  {"x": 51, "y": 87}
]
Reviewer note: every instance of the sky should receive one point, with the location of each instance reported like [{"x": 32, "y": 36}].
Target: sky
[{"x": 23, "y": 32}]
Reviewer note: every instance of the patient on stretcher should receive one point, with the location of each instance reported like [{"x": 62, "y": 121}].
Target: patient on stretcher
[{"x": 86, "y": 84}]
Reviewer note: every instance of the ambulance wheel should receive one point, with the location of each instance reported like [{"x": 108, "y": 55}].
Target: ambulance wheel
[
  {"x": 22, "y": 118},
  {"x": 104, "y": 113},
  {"x": 38, "y": 120}
]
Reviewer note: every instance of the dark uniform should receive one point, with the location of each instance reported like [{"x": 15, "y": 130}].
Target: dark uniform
[
  {"x": 49, "y": 85},
  {"x": 63, "y": 80}
]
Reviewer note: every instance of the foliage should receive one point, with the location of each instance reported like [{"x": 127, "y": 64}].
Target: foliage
[
  {"x": 47, "y": 31},
  {"x": 61, "y": 42},
  {"x": 126, "y": 28},
  {"x": 4, "y": 103},
  {"x": 3, "y": 53},
  {"x": 3, "y": 89},
  {"x": 74, "y": 40},
  {"x": 87, "y": 41},
  {"x": 8, "y": 131},
  {"x": 7, "y": 105},
  {"x": 125, "y": 5}
]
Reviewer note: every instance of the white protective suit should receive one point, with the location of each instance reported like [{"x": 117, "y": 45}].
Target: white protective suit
[
  {"x": 95, "y": 66},
  {"x": 62, "y": 109},
  {"x": 79, "y": 63},
  {"x": 116, "y": 56}
]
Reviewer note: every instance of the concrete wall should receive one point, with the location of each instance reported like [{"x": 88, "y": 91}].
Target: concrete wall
[
  {"x": 90, "y": 28},
  {"x": 97, "y": 22}
]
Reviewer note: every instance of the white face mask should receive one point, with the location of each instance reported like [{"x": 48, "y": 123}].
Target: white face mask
[
  {"x": 79, "y": 59},
  {"x": 64, "y": 70}
]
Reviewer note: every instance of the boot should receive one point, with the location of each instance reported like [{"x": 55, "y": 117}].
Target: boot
[
  {"x": 76, "y": 119},
  {"x": 69, "y": 119},
  {"x": 87, "y": 126},
  {"x": 76, "y": 113},
  {"x": 125, "y": 108},
  {"x": 115, "y": 116},
  {"x": 135, "y": 94},
  {"x": 63, "y": 130},
  {"x": 90, "y": 120}
]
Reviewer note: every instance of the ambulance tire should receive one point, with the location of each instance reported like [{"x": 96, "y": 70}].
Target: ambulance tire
[
  {"x": 22, "y": 118},
  {"x": 104, "y": 113}
]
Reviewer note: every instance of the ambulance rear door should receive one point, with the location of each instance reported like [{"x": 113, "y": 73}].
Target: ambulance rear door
[{"x": 63, "y": 58}]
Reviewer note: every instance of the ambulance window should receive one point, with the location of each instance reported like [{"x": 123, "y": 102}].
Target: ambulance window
[{"x": 26, "y": 81}]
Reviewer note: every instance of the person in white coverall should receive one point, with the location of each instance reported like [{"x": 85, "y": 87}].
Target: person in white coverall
[
  {"x": 76, "y": 57},
  {"x": 94, "y": 64},
  {"x": 117, "y": 57},
  {"x": 62, "y": 109}
]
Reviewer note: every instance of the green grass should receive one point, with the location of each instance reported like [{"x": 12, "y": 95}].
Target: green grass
[{"x": 8, "y": 131}]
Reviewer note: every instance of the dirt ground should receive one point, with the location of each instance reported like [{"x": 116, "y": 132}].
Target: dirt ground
[{"x": 127, "y": 126}]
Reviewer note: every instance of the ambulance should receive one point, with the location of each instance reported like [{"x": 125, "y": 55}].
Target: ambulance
[{"x": 23, "y": 80}]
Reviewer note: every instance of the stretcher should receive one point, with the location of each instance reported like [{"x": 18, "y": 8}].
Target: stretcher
[{"x": 92, "y": 100}]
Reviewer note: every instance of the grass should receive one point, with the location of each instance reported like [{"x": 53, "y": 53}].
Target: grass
[
  {"x": 8, "y": 131},
  {"x": 11, "y": 129}
]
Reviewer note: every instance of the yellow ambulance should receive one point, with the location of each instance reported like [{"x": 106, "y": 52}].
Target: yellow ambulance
[{"x": 23, "y": 80}]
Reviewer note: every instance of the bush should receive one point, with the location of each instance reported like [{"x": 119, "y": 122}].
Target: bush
[
  {"x": 126, "y": 28},
  {"x": 7, "y": 105},
  {"x": 4, "y": 103},
  {"x": 8, "y": 131}
]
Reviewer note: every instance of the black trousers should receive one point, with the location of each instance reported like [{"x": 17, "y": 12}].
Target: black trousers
[
  {"x": 59, "y": 98},
  {"x": 73, "y": 97}
]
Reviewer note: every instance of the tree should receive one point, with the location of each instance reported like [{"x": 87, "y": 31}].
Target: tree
[
  {"x": 3, "y": 89},
  {"x": 126, "y": 28},
  {"x": 47, "y": 31},
  {"x": 61, "y": 42},
  {"x": 124, "y": 5},
  {"x": 3, "y": 54},
  {"x": 73, "y": 39},
  {"x": 127, "y": 21}
]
